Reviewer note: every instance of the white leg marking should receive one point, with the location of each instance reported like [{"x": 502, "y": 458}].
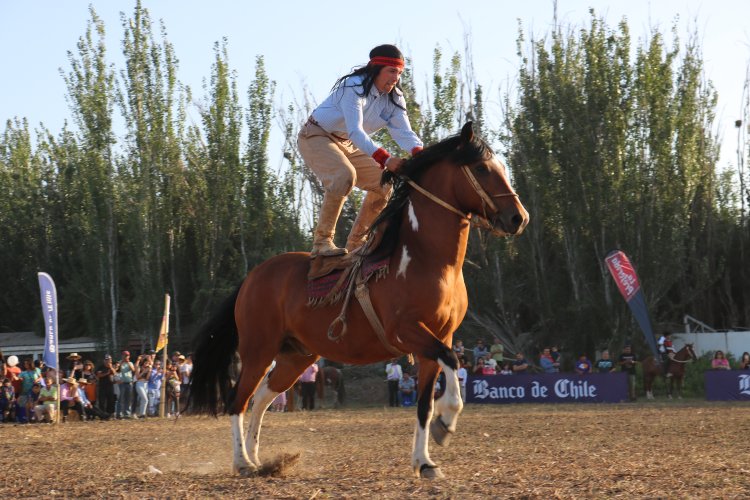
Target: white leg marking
[
  {"x": 413, "y": 218},
  {"x": 405, "y": 259},
  {"x": 241, "y": 461},
  {"x": 450, "y": 404},
  {"x": 263, "y": 397},
  {"x": 420, "y": 453}
]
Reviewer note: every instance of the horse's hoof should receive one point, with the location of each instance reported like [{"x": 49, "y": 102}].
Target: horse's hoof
[
  {"x": 247, "y": 471},
  {"x": 427, "y": 471},
  {"x": 439, "y": 432}
]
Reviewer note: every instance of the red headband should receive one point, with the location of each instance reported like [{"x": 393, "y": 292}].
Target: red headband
[{"x": 387, "y": 61}]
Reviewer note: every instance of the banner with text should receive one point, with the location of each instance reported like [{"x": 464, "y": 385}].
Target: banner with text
[
  {"x": 48, "y": 294},
  {"x": 548, "y": 388},
  {"x": 727, "y": 385}
]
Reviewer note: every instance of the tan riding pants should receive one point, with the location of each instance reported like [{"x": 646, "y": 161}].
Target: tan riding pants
[{"x": 338, "y": 164}]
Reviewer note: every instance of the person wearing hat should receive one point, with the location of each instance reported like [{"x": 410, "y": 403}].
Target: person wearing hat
[
  {"x": 70, "y": 399},
  {"x": 75, "y": 367},
  {"x": 91, "y": 411},
  {"x": 336, "y": 144}
]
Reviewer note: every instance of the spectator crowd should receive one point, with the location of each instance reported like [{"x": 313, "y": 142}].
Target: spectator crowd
[{"x": 119, "y": 389}]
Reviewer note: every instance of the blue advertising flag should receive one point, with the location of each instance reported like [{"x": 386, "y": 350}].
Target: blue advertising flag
[
  {"x": 627, "y": 281},
  {"x": 49, "y": 312}
]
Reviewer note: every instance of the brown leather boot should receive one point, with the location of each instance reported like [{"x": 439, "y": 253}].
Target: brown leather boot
[
  {"x": 371, "y": 207},
  {"x": 323, "y": 236}
]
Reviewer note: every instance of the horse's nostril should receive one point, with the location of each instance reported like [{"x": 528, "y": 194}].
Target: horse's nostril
[{"x": 517, "y": 220}]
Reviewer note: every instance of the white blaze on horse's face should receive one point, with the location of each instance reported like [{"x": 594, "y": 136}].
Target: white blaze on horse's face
[
  {"x": 413, "y": 218},
  {"x": 405, "y": 259}
]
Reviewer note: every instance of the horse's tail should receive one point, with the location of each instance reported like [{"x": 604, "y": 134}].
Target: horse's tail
[{"x": 214, "y": 351}]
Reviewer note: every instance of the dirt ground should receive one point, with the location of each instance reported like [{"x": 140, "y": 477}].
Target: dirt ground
[{"x": 677, "y": 450}]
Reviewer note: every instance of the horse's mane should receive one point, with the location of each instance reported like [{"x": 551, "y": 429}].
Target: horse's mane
[{"x": 389, "y": 220}]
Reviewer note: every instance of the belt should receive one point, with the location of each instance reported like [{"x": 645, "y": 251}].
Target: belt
[{"x": 313, "y": 121}]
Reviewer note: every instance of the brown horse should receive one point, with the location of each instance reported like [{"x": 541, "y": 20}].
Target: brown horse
[
  {"x": 420, "y": 302},
  {"x": 675, "y": 371}
]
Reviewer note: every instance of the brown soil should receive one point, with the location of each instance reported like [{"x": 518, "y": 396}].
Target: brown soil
[{"x": 690, "y": 450}]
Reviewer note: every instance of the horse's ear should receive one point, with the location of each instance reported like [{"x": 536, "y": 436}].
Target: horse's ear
[{"x": 467, "y": 133}]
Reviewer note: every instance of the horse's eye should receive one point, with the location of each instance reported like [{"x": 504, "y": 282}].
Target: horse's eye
[{"x": 482, "y": 169}]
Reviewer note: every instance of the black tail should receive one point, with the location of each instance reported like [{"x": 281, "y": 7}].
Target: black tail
[{"x": 214, "y": 351}]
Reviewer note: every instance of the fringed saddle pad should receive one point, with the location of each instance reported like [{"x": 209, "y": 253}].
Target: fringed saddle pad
[{"x": 330, "y": 288}]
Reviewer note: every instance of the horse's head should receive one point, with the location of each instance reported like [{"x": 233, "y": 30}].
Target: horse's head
[
  {"x": 482, "y": 188},
  {"x": 691, "y": 351}
]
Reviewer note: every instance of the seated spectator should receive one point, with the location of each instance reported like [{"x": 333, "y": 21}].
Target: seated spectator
[
  {"x": 458, "y": 348},
  {"x": 520, "y": 365},
  {"x": 32, "y": 400},
  {"x": 90, "y": 411},
  {"x": 70, "y": 399},
  {"x": 583, "y": 365},
  {"x": 47, "y": 402},
  {"x": 480, "y": 351},
  {"x": 506, "y": 369},
  {"x": 7, "y": 401},
  {"x": 479, "y": 367},
  {"x": 605, "y": 364},
  {"x": 547, "y": 363},
  {"x": 745, "y": 361},
  {"x": 489, "y": 367},
  {"x": 720, "y": 362},
  {"x": 407, "y": 390}
]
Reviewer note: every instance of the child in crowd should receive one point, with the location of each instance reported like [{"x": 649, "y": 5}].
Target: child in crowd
[{"x": 506, "y": 370}]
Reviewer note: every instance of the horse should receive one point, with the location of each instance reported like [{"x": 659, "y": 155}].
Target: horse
[
  {"x": 675, "y": 371},
  {"x": 425, "y": 228}
]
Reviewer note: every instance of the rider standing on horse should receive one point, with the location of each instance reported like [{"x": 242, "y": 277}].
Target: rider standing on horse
[{"x": 335, "y": 143}]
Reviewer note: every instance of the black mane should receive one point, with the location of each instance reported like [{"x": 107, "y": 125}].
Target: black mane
[{"x": 451, "y": 149}]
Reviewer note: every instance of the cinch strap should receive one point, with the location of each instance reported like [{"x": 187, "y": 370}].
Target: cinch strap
[{"x": 387, "y": 61}]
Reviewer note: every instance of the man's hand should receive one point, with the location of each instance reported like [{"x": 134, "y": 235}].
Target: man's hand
[{"x": 393, "y": 164}]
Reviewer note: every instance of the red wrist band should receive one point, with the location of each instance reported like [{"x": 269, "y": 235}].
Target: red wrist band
[
  {"x": 381, "y": 156},
  {"x": 416, "y": 150}
]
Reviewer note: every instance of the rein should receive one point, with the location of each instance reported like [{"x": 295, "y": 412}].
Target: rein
[{"x": 486, "y": 199}]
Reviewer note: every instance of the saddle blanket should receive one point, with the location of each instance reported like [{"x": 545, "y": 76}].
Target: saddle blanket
[{"x": 330, "y": 288}]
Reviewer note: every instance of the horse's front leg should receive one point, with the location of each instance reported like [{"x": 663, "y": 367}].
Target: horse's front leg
[
  {"x": 421, "y": 463},
  {"x": 449, "y": 405}
]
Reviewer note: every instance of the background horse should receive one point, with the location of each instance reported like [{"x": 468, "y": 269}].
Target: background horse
[
  {"x": 674, "y": 372},
  {"x": 332, "y": 378},
  {"x": 420, "y": 302}
]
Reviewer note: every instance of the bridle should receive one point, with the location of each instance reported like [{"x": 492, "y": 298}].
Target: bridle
[
  {"x": 689, "y": 360},
  {"x": 487, "y": 200}
]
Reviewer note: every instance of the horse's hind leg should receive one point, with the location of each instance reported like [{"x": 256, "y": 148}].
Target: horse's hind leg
[
  {"x": 289, "y": 366},
  {"x": 253, "y": 370}
]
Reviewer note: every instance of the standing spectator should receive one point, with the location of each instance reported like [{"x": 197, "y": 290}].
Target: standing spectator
[
  {"x": 547, "y": 363},
  {"x": 458, "y": 348},
  {"x": 393, "y": 374},
  {"x": 720, "y": 362},
  {"x": 604, "y": 364},
  {"x": 480, "y": 351},
  {"x": 142, "y": 374},
  {"x": 497, "y": 351},
  {"x": 7, "y": 401},
  {"x": 520, "y": 365},
  {"x": 279, "y": 402},
  {"x": 186, "y": 368},
  {"x": 125, "y": 399},
  {"x": 75, "y": 367},
  {"x": 745, "y": 361},
  {"x": 154, "y": 388},
  {"x": 90, "y": 386},
  {"x": 406, "y": 388},
  {"x": 627, "y": 362},
  {"x": 462, "y": 377},
  {"x": 47, "y": 402},
  {"x": 583, "y": 365},
  {"x": 29, "y": 376},
  {"x": 555, "y": 353},
  {"x": 307, "y": 379},
  {"x": 172, "y": 379},
  {"x": 12, "y": 372},
  {"x": 105, "y": 376}
]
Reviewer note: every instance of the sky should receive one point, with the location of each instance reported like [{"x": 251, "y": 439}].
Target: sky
[{"x": 310, "y": 44}]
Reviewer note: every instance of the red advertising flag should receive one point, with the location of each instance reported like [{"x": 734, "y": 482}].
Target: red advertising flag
[{"x": 623, "y": 273}]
